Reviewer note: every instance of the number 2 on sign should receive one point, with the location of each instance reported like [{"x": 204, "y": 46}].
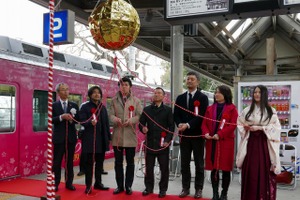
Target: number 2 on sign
[{"x": 57, "y": 26}]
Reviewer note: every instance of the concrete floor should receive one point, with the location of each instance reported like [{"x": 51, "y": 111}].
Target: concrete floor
[{"x": 174, "y": 185}]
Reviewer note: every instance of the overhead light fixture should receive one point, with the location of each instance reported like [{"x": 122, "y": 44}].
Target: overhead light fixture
[{"x": 149, "y": 15}]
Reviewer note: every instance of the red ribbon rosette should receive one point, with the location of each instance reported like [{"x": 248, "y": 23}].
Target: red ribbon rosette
[
  {"x": 162, "y": 138},
  {"x": 196, "y": 107},
  {"x": 225, "y": 117},
  {"x": 93, "y": 111},
  {"x": 196, "y": 103},
  {"x": 131, "y": 109}
]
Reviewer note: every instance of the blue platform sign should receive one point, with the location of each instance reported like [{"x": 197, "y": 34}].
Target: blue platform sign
[{"x": 63, "y": 27}]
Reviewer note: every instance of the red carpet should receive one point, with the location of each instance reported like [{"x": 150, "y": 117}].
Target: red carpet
[{"x": 37, "y": 188}]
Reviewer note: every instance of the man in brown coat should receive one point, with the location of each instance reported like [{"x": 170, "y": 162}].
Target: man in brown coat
[{"x": 125, "y": 113}]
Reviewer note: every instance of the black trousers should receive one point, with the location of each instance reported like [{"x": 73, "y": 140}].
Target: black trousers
[
  {"x": 98, "y": 159},
  {"x": 59, "y": 151},
  {"x": 129, "y": 154},
  {"x": 163, "y": 160},
  {"x": 187, "y": 146},
  {"x": 82, "y": 162}
]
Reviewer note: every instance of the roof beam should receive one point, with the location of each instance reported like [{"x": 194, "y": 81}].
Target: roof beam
[
  {"x": 279, "y": 61},
  {"x": 207, "y": 33},
  {"x": 290, "y": 21},
  {"x": 247, "y": 34},
  {"x": 202, "y": 50}
]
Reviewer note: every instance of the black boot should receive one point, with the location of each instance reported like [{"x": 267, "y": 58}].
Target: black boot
[
  {"x": 223, "y": 195},
  {"x": 214, "y": 176},
  {"x": 225, "y": 185}
]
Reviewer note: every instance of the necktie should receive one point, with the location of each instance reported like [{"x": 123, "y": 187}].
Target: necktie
[
  {"x": 65, "y": 106},
  {"x": 124, "y": 100},
  {"x": 190, "y": 101}
]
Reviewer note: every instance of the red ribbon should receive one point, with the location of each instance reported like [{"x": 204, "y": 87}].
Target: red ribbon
[
  {"x": 93, "y": 110},
  {"x": 196, "y": 103},
  {"x": 131, "y": 108},
  {"x": 162, "y": 139}
]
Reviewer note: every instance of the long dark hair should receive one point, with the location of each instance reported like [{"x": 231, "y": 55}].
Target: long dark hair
[
  {"x": 226, "y": 92},
  {"x": 264, "y": 104}
]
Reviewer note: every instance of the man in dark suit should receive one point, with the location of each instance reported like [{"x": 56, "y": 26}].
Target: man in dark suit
[
  {"x": 95, "y": 139},
  {"x": 158, "y": 140},
  {"x": 64, "y": 135},
  {"x": 189, "y": 125}
]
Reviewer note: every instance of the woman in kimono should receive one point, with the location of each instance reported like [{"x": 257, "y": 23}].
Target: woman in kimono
[
  {"x": 219, "y": 135},
  {"x": 258, "y": 153}
]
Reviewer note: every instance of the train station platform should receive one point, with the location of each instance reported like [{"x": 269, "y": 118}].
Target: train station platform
[{"x": 138, "y": 186}]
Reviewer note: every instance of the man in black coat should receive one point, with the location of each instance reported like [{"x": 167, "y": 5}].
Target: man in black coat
[
  {"x": 64, "y": 135},
  {"x": 96, "y": 137},
  {"x": 189, "y": 125},
  {"x": 157, "y": 140}
]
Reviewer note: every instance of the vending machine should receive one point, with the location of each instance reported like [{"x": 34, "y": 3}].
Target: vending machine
[{"x": 285, "y": 98}]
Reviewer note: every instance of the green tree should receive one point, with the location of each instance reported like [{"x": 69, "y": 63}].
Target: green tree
[{"x": 166, "y": 77}]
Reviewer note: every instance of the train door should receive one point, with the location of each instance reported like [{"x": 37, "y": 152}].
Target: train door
[{"x": 9, "y": 131}]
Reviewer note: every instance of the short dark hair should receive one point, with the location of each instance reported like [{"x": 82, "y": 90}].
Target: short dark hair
[
  {"x": 125, "y": 79},
  {"x": 226, "y": 92},
  {"x": 159, "y": 88},
  {"x": 191, "y": 73},
  {"x": 91, "y": 90}
]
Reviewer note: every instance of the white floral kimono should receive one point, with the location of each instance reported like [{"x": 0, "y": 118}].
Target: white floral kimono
[{"x": 270, "y": 128}]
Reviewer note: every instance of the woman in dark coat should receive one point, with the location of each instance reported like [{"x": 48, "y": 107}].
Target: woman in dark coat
[{"x": 218, "y": 128}]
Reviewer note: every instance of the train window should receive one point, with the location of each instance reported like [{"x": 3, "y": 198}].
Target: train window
[
  {"x": 59, "y": 57},
  {"x": 109, "y": 69},
  {"x": 97, "y": 66},
  {"x": 7, "y": 108},
  {"x": 32, "y": 50},
  {"x": 76, "y": 98},
  {"x": 40, "y": 110}
]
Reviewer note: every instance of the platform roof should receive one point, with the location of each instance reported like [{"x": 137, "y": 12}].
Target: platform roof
[{"x": 221, "y": 44}]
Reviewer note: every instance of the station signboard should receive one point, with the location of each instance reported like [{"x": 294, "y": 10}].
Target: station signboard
[
  {"x": 195, "y": 8},
  {"x": 63, "y": 27},
  {"x": 289, "y": 3},
  {"x": 241, "y": 6}
]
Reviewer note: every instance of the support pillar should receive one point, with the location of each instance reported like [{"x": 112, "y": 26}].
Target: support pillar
[{"x": 177, "y": 41}]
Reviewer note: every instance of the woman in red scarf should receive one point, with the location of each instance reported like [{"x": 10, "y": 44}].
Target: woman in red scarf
[{"x": 218, "y": 128}]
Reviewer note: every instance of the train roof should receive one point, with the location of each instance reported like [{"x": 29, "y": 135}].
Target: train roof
[{"x": 20, "y": 51}]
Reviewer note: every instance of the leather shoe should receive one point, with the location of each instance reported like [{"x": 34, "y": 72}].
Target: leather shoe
[
  {"x": 80, "y": 173},
  {"x": 104, "y": 172},
  {"x": 71, "y": 187},
  {"x": 184, "y": 193},
  {"x": 100, "y": 187},
  {"x": 129, "y": 191},
  {"x": 88, "y": 190},
  {"x": 146, "y": 192},
  {"x": 118, "y": 190},
  {"x": 162, "y": 194},
  {"x": 198, "y": 194}
]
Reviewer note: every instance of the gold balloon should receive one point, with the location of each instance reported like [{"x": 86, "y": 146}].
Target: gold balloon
[{"x": 114, "y": 24}]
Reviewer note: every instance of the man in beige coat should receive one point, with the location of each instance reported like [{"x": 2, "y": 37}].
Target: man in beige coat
[{"x": 125, "y": 113}]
